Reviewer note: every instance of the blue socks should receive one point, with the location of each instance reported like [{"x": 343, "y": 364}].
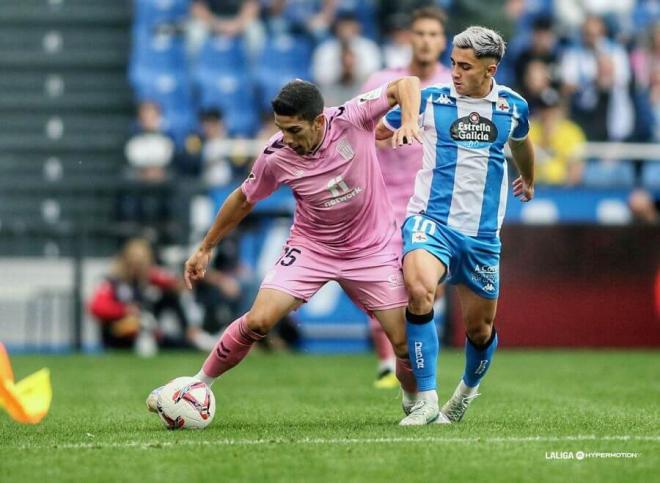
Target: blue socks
[
  {"x": 423, "y": 349},
  {"x": 477, "y": 359}
]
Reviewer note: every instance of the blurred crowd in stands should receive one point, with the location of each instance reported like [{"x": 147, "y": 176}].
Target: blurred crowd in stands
[{"x": 204, "y": 71}]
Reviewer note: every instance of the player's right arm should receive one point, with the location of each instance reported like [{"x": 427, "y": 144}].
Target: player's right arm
[
  {"x": 233, "y": 210},
  {"x": 259, "y": 184}
]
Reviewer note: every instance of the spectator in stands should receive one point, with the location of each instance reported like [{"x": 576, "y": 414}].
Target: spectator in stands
[
  {"x": 223, "y": 17},
  {"x": 307, "y": 17},
  {"x": 348, "y": 85},
  {"x": 645, "y": 58},
  {"x": 536, "y": 80},
  {"x": 558, "y": 143},
  {"x": 654, "y": 96},
  {"x": 146, "y": 200},
  {"x": 327, "y": 58},
  {"x": 499, "y": 15},
  {"x": 596, "y": 73},
  {"x": 543, "y": 47},
  {"x": 571, "y": 14},
  {"x": 212, "y": 149},
  {"x": 397, "y": 51},
  {"x": 645, "y": 62},
  {"x": 396, "y": 13},
  {"x": 150, "y": 150},
  {"x": 135, "y": 296}
]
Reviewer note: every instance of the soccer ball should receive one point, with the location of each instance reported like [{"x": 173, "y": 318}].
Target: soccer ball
[{"x": 186, "y": 403}]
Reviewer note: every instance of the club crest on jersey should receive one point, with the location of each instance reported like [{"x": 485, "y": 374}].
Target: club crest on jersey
[
  {"x": 502, "y": 105},
  {"x": 345, "y": 149},
  {"x": 419, "y": 237},
  {"x": 473, "y": 131}
]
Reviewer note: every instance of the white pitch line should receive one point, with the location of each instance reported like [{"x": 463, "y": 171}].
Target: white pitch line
[{"x": 338, "y": 441}]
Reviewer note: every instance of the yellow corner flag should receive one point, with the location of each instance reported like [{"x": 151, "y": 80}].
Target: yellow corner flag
[{"x": 28, "y": 400}]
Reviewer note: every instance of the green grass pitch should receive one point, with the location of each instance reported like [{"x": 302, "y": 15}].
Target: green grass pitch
[{"x": 317, "y": 418}]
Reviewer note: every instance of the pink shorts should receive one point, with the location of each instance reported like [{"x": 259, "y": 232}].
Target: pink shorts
[{"x": 374, "y": 282}]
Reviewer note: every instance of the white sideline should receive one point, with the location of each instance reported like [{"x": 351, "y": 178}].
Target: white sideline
[{"x": 338, "y": 441}]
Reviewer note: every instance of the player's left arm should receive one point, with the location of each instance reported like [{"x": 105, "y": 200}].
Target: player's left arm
[
  {"x": 522, "y": 151},
  {"x": 404, "y": 92}
]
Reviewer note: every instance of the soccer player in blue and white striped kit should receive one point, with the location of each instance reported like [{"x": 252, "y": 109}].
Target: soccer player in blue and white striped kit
[{"x": 455, "y": 214}]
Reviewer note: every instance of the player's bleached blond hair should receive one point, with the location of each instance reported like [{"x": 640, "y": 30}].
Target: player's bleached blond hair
[{"x": 485, "y": 42}]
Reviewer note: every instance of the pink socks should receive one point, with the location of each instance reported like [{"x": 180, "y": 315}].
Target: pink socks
[{"x": 231, "y": 349}]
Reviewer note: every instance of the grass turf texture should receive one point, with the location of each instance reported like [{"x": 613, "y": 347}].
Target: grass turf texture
[{"x": 317, "y": 418}]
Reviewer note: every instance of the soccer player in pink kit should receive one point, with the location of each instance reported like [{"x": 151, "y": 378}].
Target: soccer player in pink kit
[
  {"x": 399, "y": 167},
  {"x": 343, "y": 223}
]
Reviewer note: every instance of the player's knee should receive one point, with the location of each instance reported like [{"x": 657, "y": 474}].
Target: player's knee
[
  {"x": 420, "y": 297},
  {"x": 480, "y": 334},
  {"x": 259, "y": 321},
  {"x": 400, "y": 348}
]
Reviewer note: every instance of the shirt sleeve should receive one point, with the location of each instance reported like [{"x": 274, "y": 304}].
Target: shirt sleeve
[
  {"x": 365, "y": 110},
  {"x": 521, "y": 120},
  {"x": 392, "y": 119},
  {"x": 261, "y": 182}
]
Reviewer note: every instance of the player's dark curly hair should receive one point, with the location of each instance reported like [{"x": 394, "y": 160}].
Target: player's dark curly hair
[{"x": 298, "y": 98}]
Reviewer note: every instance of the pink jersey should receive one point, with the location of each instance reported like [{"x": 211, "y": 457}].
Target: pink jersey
[
  {"x": 400, "y": 167},
  {"x": 342, "y": 207}
]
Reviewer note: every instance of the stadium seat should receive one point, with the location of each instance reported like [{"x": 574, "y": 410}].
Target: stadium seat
[
  {"x": 234, "y": 96},
  {"x": 170, "y": 91},
  {"x": 179, "y": 122},
  {"x": 155, "y": 54},
  {"x": 365, "y": 11},
  {"x": 651, "y": 174},
  {"x": 220, "y": 55},
  {"x": 283, "y": 58},
  {"x": 608, "y": 174},
  {"x": 151, "y": 13}
]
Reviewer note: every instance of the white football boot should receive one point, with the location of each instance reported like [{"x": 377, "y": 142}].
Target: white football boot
[
  {"x": 424, "y": 411},
  {"x": 454, "y": 409}
]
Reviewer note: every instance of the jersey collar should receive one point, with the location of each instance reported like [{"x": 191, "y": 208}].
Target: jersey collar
[
  {"x": 491, "y": 97},
  {"x": 321, "y": 145}
]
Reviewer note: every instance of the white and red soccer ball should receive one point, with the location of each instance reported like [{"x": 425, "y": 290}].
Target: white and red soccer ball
[{"x": 186, "y": 403}]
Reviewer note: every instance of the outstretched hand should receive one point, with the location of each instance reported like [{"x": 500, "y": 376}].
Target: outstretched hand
[
  {"x": 523, "y": 190},
  {"x": 406, "y": 134},
  {"x": 196, "y": 267}
]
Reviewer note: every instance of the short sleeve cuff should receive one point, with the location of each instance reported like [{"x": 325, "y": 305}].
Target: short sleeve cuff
[
  {"x": 520, "y": 138},
  {"x": 388, "y": 125}
]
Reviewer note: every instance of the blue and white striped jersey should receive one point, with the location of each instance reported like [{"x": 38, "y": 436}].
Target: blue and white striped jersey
[{"x": 463, "y": 181}]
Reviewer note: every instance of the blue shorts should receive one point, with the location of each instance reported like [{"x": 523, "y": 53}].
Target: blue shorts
[{"x": 471, "y": 261}]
